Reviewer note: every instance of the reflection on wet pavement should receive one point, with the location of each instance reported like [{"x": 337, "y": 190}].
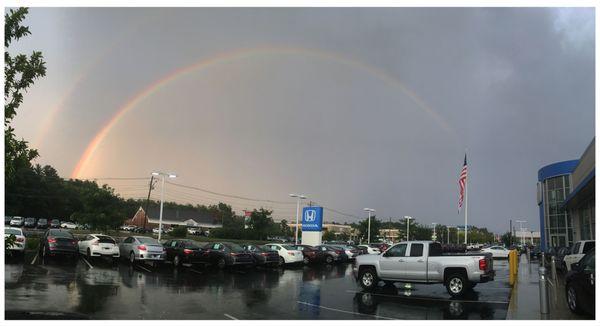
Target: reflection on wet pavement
[{"x": 122, "y": 291}]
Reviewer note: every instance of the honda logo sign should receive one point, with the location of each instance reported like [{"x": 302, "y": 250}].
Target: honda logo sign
[{"x": 312, "y": 219}]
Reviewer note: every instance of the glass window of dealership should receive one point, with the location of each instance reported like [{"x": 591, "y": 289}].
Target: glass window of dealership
[{"x": 566, "y": 200}]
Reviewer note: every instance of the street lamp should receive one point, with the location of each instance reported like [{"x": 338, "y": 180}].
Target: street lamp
[
  {"x": 162, "y": 197},
  {"x": 521, "y": 228},
  {"x": 369, "y": 210},
  {"x": 408, "y": 218},
  {"x": 298, "y": 197},
  {"x": 434, "y": 234}
]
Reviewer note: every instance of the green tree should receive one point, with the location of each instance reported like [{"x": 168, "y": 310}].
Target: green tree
[
  {"x": 261, "y": 224},
  {"x": 329, "y": 236},
  {"x": 20, "y": 72},
  {"x": 362, "y": 228},
  {"x": 285, "y": 228}
]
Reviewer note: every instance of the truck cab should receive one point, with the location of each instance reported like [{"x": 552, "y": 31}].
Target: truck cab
[{"x": 578, "y": 250}]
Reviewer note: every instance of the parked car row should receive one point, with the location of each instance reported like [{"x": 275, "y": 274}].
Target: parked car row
[{"x": 40, "y": 223}]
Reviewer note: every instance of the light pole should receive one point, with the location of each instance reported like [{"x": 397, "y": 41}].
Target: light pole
[
  {"x": 448, "y": 230},
  {"x": 369, "y": 210},
  {"x": 408, "y": 218},
  {"x": 298, "y": 197},
  {"x": 162, "y": 197},
  {"x": 521, "y": 228},
  {"x": 434, "y": 234}
]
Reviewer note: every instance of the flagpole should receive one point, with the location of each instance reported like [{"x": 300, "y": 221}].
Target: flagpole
[{"x": 466, "y": 204}]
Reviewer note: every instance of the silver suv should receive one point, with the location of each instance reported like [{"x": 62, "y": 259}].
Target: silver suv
[{"x": 142, "y": 248}]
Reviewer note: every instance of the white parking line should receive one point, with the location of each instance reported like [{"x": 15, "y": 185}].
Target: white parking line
[
  {"x": 34, "y": 258},
  {"x": 230, "y": 317},
  {"x": 344, "y": 311},
  {"x": 433, "y": 299},
  {"x": 146, "y": 269},
  {"x": 89, "y": 264}
]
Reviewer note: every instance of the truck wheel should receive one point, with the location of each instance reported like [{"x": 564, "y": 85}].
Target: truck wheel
[
  {"x": 572, "y": 299},
  {"x": 367, "y": 278},
  {"x": 456, "y": 284}
]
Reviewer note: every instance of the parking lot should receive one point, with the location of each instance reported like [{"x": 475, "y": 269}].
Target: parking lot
[{"x": 100, "y": 290}]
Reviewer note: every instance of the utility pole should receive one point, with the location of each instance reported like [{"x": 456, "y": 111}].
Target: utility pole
[{"x": 148, "y": 201}]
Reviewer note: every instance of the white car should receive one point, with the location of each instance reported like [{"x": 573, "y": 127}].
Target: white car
[
  {"x": 497, "y": 252},
  {"x": 287, "y": 253},
  {"x": 98, "y": 245},
  {"x": 68, "y": 225},
  {"x": 578, "y": 250},
  {"x": 20, "y": 241},
  {"x": 155, "y": 231},
  {"x": 370, "y": 249},
  {"x": 17, "y": 221}
]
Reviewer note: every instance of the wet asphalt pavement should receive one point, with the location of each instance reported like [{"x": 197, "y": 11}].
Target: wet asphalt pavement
[{"x": 100, "y": 290}]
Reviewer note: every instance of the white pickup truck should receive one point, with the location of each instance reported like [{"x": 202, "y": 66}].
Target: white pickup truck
[
  {"x": 578, "y": 250},
  {"x": 424, "y": 262}
]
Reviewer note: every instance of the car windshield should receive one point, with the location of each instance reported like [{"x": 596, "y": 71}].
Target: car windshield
[
  {"x": 263, "y": 248},
  {"x": 234, "y": 247},
  {"x": 105, "y": 239},
  {"x": 289, "y": 247},
  {"x": 55, "y": 221},
  {"x": 308, "y": 247},
  {"x": 60, "y": 233},
  {"x": 12, "y": 231},
  {"x": 29, "y": 220},
  {"x": 148, "y": 240},
  {"x": 42, "y": 220}
]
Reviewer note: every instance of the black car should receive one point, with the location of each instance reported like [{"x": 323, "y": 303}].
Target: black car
[
  {"x": 332, "y": 254},
  {"x": 579, "y": 285},
  {"x": 183, "y": 251},
  {"x": 30, "y": 222},
  {"x": 58, "y": 242},
  {"x": 263, "y": 256},
  {"x": 42, "y": 223},
  {"x": 311, "y": 253},
  {"x": 226, "y": 254},
  {"x": 54, "y": 223}
]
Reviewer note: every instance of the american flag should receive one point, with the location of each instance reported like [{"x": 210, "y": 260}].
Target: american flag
[{"x": 462, "y": 181}]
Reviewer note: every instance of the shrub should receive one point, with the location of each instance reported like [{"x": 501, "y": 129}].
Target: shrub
[{"x": 180, "y": 231}]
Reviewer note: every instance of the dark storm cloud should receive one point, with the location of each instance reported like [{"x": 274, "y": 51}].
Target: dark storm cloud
[{"x": 515, "y": 85}]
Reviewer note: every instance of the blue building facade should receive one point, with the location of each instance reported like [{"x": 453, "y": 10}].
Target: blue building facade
[{"x": 553, "y": 188}]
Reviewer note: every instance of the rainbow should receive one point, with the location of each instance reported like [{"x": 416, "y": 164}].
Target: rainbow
[{"x": 237, "y": 55}]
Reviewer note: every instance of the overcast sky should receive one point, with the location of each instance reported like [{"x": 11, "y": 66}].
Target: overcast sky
[{"x": 353, "y": 107}]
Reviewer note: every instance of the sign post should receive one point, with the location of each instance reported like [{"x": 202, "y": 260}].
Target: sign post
[{"x": 312, "y": 225}]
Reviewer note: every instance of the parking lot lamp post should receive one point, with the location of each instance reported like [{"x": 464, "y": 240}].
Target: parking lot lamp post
[
  {"x": 408, "y": 218},
  {"x": 521, "y": 222},
  {"x": 162, "y": 197},
  {"x": 369, "y": 210},
  {"x": 298, "y": 197},
  {"x": 434, "y": 234}
]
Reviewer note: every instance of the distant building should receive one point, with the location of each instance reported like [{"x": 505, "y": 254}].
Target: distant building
[
  {"x": 172, "y": 217},
  {"x": 529, "y": 237},
  {"x": 553, "y": 187},
  {"x": 580, "y": 202},
  {"x": 337, "y": 229},
  {"x": 392, "y": 234}
]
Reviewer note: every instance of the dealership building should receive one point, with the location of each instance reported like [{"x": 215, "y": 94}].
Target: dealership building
[{"x": 566, "y": 200}]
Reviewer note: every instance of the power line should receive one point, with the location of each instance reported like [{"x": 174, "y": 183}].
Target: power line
[{"x": 230, "y": 195}]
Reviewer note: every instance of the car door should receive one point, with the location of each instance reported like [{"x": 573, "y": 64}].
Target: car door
[
  {"x": 392, "y": 262},
  {"x": 171, "y": 249},
  {"x": 415, "y": 266},
  {"x": 574, "y": 256},
  {"x": 587, "y": 282}
]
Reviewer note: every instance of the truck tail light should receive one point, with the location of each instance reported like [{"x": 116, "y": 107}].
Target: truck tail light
[{"x": 482, "y": 264}]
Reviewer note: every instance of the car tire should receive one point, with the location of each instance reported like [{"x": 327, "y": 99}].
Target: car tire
[
  {"x": 221, "y": 263},
  {"x": 281, "y": 261},
  {"x": 367, "y": 278},
  {"x": 456, "y": 284},
  {"x": 329, "y": 259},
  {"x": 131, "y": 257},
  {"x": 176, "y": 261},
  {"x": 572, "y": 299}
]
